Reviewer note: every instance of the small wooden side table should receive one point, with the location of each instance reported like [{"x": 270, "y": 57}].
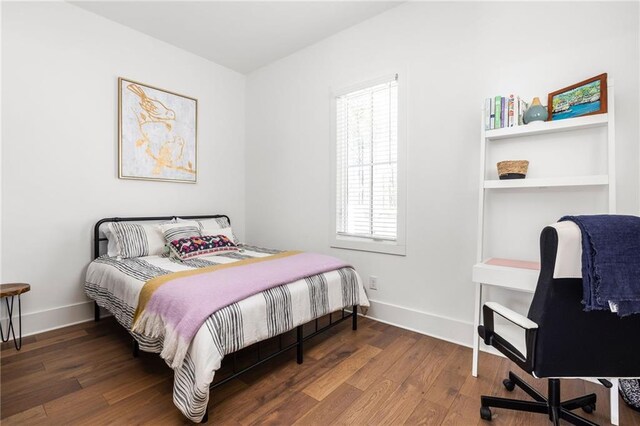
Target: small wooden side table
[{"x": 11, "y": 291}]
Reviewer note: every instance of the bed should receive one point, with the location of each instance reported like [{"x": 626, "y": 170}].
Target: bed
[{"x": 115, "y": 283}]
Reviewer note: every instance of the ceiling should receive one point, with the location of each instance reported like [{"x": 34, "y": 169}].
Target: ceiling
[{"x": 241, "y": 35}]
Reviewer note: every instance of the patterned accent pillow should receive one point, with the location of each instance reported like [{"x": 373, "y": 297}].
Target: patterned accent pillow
[
  {"x": 134, "y": 239},
  {"x": 179, "y": 230},
  {"x": 189, "y": 248}
]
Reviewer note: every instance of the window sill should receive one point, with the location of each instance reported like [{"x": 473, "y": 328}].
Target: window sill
[{"x": 363, "y": 244}]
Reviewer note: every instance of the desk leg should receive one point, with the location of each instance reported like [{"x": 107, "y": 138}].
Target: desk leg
[
  {"x": 614, "y": 402},
  {"x": 476, "y": 323}
]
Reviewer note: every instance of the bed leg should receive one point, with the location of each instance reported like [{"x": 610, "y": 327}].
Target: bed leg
[
  {"x": 136, "y": 348},
  {"x": 354, "y": 318},
  {"x": 96, "y": 312},
  {"x": 299, "y": 349},
  {"x": 206, "y": 417}
]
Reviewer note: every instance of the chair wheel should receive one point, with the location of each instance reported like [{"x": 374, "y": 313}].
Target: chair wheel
[
  {"x": 509, "y": 385},
  {"x": 485, "y": 413},
  {"x": 589, "y": 408}
]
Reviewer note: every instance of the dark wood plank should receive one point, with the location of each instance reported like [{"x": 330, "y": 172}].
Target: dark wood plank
[
  {"x": 398, "y": 406},
  {"x": 9, "y": 374},
  {"x": 76, "y": 404},
  {"x": 331, "y": 407},
  {"x": 427, "y": 413},
  {"x": 32, "y": 416},
  {"x": 37, "y": 394},
  {"x": 287, "y": 412},
  {"x": 326, "y": 384},
  {"x": 364, "y": 408},
  {"x": 408, "y": 361},
  {"x": 382, "y": 362},
  {"x": 429, "y": 367}
]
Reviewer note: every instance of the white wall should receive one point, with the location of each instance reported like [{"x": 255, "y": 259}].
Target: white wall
[
  {"x": 59, "y": 146},
  {"x": 453, "y": 56}
]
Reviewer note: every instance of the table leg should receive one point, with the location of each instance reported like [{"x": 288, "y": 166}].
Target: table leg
[
  {"x": 614, "y": 403},
  {"x": 19, "y": 324},
  {"x": 2, "y": 332},
  {"x": 476, "y": 323},
  {"x": 10, "y": 328}
]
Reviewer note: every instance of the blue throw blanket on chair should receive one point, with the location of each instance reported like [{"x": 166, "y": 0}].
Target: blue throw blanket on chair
[{"x": 610, "y": 261}]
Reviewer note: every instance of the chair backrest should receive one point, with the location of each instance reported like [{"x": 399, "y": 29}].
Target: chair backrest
[{"x": 572, "y": 342}]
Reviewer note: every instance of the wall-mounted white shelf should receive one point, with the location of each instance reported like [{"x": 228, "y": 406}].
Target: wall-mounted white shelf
[
  {"x": 519, "y": 275},
  {"x": 514, "y": 278},
  {"x": 539, "y": 128},
  {"x": 547, "y": 182}
]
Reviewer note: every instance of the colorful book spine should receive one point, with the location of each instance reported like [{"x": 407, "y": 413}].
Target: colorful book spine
[
  {"x": 492, "y": 114},
  {"x": 511, "y": 110},
  {"x": 501, "y": 112}
]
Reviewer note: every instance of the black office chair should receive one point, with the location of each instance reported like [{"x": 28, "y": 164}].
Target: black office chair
[{"x": 562, "y": 340}]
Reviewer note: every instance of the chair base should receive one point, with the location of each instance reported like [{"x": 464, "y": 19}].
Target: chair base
[{"x": 551, "y": 405}]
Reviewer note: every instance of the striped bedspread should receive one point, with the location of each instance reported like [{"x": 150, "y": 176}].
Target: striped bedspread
[{"x": 116, "y": 285}]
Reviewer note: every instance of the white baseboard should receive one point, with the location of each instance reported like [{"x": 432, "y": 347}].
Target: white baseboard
[
  {"x": 51, "y": 319},
  {"x": 438, "y": 326}
]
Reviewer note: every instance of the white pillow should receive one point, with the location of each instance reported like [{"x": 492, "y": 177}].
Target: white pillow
[
  {"x": 128, "y": 239},
  {"x": 213, "y": 226},
  {"x": 178, "y": 230},
  {"x": 227, "y": 232},
  {"x": 112, "y": 244}
]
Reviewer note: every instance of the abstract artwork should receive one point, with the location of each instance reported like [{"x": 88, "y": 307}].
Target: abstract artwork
[{"x": 157, "y": 133}]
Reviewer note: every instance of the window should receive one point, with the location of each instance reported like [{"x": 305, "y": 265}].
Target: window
[{"x": 366, "y": 168}]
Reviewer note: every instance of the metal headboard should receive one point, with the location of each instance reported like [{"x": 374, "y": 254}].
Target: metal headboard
[{"x": 96, "y": 228}]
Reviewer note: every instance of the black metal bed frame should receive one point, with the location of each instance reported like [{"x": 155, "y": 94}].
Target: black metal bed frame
[{"x": 300, "y": 337}]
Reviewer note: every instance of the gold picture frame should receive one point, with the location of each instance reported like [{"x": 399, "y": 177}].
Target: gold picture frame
[{"x": 157, "y": 134}]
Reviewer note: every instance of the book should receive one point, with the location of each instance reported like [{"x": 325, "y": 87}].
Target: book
[
  {"x": 510, "y": 110},
  {"x": 492, "y": 106},
  {"x": 523, "y": 108},
  {"x": 487, "y": 114},
  {"x": 504, "y": 111}
]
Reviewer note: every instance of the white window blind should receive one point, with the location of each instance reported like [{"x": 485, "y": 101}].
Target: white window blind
[{"x": 367, "y": 162}]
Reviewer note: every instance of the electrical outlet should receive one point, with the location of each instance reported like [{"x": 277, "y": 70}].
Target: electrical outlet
[{"x": 373, "y": 282}]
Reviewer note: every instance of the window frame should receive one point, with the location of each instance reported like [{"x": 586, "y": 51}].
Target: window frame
[{"x": 369, "y": 244}]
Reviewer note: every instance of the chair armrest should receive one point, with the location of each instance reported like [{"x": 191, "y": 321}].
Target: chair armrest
[
  {"x": 511, "y": 316},
  {"x": 492, "y": 338}
]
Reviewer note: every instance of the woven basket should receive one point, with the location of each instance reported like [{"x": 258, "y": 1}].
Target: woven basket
[{"x": 513, "y": 169}]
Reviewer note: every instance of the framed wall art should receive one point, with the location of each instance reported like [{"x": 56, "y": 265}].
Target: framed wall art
[
  {"x": 157, "y": 133},
  {"x": 585, "y": 98}
]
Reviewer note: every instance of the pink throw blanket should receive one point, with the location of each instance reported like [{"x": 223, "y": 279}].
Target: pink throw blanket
[{"x": 175, "y": 306}]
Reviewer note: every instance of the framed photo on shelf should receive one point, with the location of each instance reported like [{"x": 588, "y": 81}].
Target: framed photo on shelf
[
  {"x": 157, "y": 133},
  {"x": 587, "y": 97}
]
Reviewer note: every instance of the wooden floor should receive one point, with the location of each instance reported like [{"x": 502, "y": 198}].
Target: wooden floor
[{"x": 380, "y": 374}]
